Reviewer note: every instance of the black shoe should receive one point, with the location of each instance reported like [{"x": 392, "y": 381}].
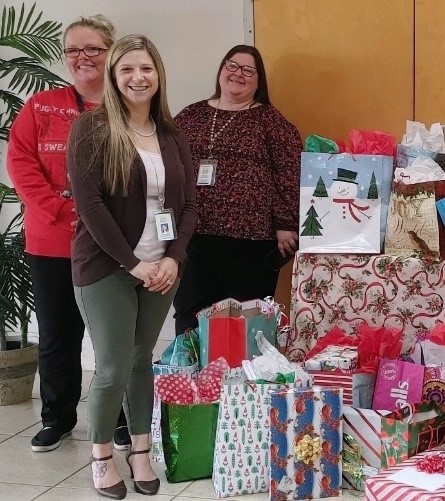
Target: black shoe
[
  {"x": 47, "y": 439},
  {"x": 122, "y": 440}
]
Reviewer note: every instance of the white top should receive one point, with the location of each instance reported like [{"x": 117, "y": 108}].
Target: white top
[{"x": 149, "y": 248}]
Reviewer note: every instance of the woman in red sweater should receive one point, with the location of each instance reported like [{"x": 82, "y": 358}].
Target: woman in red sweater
[{"x": 37, "y": 166}]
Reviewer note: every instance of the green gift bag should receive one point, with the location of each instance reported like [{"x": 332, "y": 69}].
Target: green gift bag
[{"x": 188, "y": 440}]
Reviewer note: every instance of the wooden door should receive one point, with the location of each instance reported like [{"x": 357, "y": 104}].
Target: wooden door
[{"x": 335, "y": 65}]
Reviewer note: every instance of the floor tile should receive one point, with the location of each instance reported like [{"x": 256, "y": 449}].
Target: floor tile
[
  {"x": 79, "y": 432},
  {"x": 60, "y": 494},
  {"x": 15, "y": 418},
  {"x": 20, "y": 492},
  {"x": 82, "y": 479},
  {"x": 20, "y": 465}
]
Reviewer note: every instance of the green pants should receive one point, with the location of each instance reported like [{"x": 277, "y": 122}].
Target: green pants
[{"x": 124, "y": 320}]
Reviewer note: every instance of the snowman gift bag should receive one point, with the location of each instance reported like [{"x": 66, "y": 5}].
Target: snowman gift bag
[{"x": 343, "y": 202}]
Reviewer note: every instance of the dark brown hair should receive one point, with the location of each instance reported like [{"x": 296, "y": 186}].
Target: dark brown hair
[{"x": 261, "y": 94}]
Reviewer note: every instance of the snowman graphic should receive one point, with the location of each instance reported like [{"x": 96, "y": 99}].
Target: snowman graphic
[{"x": 344, "y": 193}]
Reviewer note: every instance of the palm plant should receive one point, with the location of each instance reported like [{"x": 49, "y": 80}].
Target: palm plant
[
  {"x": 16, "y": 299},
  {"x": 39, "y": 41}
]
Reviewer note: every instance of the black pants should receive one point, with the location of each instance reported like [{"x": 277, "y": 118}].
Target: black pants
[
  {"x": 222, "y": 267},
  {"x": 61, "y": 331}
]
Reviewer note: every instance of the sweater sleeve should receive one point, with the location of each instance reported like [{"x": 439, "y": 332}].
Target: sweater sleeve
[
  {"x": 189, "y": 213},
  {"x": 284, "y": 146},
  {"x": 28, "y": 177},
  {"x": 89, "y": 194}
]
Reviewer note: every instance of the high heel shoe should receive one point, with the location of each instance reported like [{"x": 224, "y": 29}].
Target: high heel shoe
[
  {"x": 147, "y": 487},
  {"x": 116, "y": 491}
]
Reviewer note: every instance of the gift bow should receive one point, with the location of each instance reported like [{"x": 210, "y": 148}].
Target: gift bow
[
  {"x": 308, "y": 449},
  {"x": 182, "y": 389}
]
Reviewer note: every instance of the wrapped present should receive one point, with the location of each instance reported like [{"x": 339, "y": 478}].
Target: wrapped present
[
  {"x": 227, "y": 329},
  {"x": 358, "y": 387},
  {"x": 404, "y": 482},
  {"x": 156, "y": 436},
  {"x": 362, "y": 445},
  {"x": 434, "y": 385},
  {"x": 306, "y": 442},
  {"x": 410, "y": 430},
  {"x": 344, "y": 358}
]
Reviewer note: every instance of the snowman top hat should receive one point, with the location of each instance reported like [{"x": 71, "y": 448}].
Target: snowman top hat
[{"x": 346, "y": 176}]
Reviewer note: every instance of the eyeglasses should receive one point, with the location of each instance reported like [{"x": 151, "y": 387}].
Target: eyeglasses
[
  {"x": 247, "y": 71},
  {"x": 88, "y": 51}
]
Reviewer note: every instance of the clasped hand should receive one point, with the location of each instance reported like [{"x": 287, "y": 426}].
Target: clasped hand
[{"x": 158, "y": 277}]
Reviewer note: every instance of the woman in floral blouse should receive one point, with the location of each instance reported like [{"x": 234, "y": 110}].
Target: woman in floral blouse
[{"x": 246, "y": 157}]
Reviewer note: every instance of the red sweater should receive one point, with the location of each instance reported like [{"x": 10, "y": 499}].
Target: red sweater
[{"x": 36, "y": 163}]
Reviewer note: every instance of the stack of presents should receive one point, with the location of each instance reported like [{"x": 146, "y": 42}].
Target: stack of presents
[{"x": 349, "y": 393}]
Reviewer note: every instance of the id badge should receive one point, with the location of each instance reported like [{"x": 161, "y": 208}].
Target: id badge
[
  {"x": 207, "y": 172},
  {"x": 165, "y": 225}
]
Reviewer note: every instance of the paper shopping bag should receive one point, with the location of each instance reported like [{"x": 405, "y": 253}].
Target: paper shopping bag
[
  {"x": 228, "y": 328},
  {"x": 188, "y": 440},
  {"x": 397, "y": 384},
  {"x": 410, "y": 430},
  {"x": 241, "y": 460},
  {"x": 343, "y": 202}
]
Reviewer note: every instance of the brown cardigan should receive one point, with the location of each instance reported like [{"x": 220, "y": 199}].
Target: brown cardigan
[{"x": 110, "y": 227}]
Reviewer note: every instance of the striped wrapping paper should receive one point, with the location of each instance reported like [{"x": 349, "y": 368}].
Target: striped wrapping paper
[
  {"x": 378, "y": 488},
  {"x": 365, "y": 427},
  {"x": 357, "y": 387}
]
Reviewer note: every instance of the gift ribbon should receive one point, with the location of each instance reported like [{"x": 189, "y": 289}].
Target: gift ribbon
[
  {"x": 308, "y": 449},
  {"x": 352, "y": 460},
  {"x": 433, "y": 463}
]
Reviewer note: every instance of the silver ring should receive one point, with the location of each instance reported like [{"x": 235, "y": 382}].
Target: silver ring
[{"x": 169, "y": 282}]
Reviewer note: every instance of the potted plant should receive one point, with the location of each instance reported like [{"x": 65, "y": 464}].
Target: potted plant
[
  {"x": 39, "y": 44},
  {"x": 18, "y": 358}
]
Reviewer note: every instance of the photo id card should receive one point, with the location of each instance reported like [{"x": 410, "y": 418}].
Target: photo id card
[
  {"x": 165, "y": 225},
  {"x": 207, "y": 172}
]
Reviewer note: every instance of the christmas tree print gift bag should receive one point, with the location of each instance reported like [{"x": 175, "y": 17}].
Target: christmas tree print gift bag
[
  {"x": 241, "y": 459},
  {"x": 343, "y": 202}
]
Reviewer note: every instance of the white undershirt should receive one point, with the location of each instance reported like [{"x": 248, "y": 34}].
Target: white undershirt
[{"x": 149, "y": 248}]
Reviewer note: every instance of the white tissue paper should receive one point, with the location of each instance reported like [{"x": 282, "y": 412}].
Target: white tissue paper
[
  {"x": 271, "y": 363},
  {"x": 422, "y": 170},
  {"x": 419, "y": 137}
]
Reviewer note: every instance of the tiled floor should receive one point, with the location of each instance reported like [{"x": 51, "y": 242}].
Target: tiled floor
[{"x": 65, "y": 473}]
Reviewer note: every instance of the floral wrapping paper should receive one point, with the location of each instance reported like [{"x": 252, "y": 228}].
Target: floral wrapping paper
[
  {"x": 305, "y": 444},
  {"x": 345, "y": 290}
]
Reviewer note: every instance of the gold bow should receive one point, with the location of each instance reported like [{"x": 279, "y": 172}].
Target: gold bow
[{"x": 308, "y": 449}]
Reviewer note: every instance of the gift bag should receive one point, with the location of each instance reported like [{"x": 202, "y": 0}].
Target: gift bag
[
  {"x": 241, "y": 459},
  {"x": 228, "y": 329},
  {"x": 343, "y": 202},
  {"x": 410, "y": 430},
  {"x": 156, "y": 436},
  {"x": 188, "y": 440},
  {"x": 397, "y": 384},
  {"x": 362, "y": 445},
  {"x": 434, "y": 385},
  {"x": 306, "y": 442}
]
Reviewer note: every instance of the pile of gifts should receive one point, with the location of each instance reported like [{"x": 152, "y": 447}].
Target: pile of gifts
[
  {"x": 353, "y": 415},
  {"x": 347, "y": 189}
]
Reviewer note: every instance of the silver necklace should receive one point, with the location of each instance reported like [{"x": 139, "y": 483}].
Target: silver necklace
[{"x": 152, "y": 133}]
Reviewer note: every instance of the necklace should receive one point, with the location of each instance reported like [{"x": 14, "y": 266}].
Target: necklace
[
  {"x": 213, "y": 134},
  {"x": 152, "y": 133}
]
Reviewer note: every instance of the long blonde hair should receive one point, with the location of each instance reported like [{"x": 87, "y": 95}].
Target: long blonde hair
[
  {"x": 112, "y": 117},
  {"x": 104, "y": 27}
]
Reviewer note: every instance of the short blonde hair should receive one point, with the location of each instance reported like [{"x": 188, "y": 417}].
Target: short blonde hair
[{"x": 104, "y": 27}]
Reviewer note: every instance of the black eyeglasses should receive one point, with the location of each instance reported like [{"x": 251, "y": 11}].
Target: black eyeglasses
[
  {"x": 88, "y": 51},
  {"x": 247, "y": 71}
]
